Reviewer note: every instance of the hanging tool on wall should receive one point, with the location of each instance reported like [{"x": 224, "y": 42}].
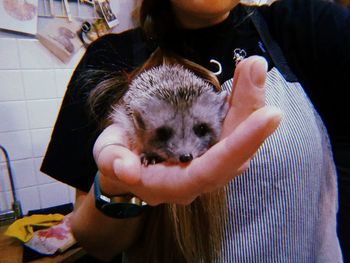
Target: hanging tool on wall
[{"x": 16, "y": 212}]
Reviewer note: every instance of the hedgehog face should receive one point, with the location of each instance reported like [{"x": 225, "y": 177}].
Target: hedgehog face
[
  {"x": 176, "y": 115},
  {"x": 179, "y": 133}
]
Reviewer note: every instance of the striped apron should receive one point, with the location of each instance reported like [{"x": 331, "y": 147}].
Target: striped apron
[{"x": 283, "y": 208}]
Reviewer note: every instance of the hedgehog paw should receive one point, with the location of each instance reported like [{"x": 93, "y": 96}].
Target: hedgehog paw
[{"x": 150, "y": 159}]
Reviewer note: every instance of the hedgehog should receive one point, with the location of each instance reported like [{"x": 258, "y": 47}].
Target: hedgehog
[{"x": 170, "y": 114}]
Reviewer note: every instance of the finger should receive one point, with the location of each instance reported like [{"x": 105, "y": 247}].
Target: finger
[
  {"x": 127, "y": 167},
  {"x": 112, "y": 135},
  {"x": 248, "y": 84},
  {"x": 168, "y": 183},
  {"x": 224, "y": 160},
  {"x": 248, "y": 92},
  {"x": 118, "y": 162},
  {"x": 244, "y": 167},
  {"x": 216, "y": 167}
]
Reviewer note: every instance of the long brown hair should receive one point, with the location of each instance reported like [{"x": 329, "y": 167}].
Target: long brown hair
[
  {"x": 157, "y": 19},
  {"x": 172, "y": 233},
  {"x": 197, "y": 228}
]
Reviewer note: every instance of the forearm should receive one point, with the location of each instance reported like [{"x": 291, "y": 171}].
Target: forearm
[{"x": 102, "y": 236}]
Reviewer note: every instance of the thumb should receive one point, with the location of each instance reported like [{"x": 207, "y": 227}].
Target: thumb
[
  {"x": 128, "y": 168},
  {"x": 248, "y": 91}
]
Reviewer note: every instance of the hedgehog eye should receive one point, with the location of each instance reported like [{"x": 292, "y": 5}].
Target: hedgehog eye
[
  {"x": 201, "y": 129},
  {"x": 164, "y": 133}
]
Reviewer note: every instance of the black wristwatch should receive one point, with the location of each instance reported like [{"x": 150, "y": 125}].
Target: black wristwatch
[{"x": 122, "y": 206}]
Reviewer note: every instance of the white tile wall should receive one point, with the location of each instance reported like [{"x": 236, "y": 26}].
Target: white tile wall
[
  {"x": 9, "y": 57},
  {"x": 29, "y": 198},
  {"x": 40, "y": 139},
  {"x": 53, "y": 194},
  {"x": 11, "y": 87},
  {"x": 6, "y": 200},
  {"x": 32, "y": 55},
  {"x": 24, "y": 173},
  {"x": 41, "y": 113},
  {"x": 62, "y": 77},
  {"x": 39, "y": 84},
  {"x": 17, "y": 143},
  {"x": 41, "y": 177},
  {"x": 32, "y": 84},
  {"x": 4, "y": 182},
  {"x": 13, "y": 116}
]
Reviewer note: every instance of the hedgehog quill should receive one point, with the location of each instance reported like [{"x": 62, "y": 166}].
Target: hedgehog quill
[
  {"x": 169, "y": 109},
  {"x": 170, "y": 114}
]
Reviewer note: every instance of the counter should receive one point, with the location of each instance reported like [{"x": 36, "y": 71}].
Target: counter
[{"x": 11, "y": 251}]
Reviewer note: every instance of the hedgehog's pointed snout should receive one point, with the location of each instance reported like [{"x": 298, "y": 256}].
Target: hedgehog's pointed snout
[{"x": 185, "y": 158}]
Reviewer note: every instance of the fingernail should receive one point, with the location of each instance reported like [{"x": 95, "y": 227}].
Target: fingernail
[
  {"x": 276, "y": 115},
  {"x": 118, "y": 168},
  {"x": 258, "y": 72},
  {"x": 126, "y": 172}
]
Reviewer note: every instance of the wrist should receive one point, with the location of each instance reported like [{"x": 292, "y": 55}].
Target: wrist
[
  {"x": 117, "y": 206},
  {"x": 111, "y": 187}
]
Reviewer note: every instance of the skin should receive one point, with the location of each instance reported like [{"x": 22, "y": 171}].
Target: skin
[
  {"x": 248, "y": 123},
  {"x": 202, "y": 13}
]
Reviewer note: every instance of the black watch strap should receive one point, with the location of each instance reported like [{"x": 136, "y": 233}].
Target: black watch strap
[{"x": 122, "y": 206}]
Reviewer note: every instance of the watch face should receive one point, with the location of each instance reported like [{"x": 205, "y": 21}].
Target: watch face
[{"x": 121, "y": 210}]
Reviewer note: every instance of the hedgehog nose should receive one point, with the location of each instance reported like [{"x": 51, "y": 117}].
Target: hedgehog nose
[{"x": 184, "y": 158}]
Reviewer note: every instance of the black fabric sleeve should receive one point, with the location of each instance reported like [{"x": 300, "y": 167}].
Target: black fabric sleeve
[
  {"x": 69, "y": 154},
  {"x": 315, "y": 38}
]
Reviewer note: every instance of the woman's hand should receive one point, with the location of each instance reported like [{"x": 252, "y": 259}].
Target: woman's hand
[{"x": 248, "y": 123}]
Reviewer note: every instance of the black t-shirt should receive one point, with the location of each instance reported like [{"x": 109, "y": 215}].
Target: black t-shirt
[{"x": 314, "y": 36}]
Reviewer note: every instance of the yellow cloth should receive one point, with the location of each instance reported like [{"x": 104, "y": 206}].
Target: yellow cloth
[{"x": 23, "y": 228}]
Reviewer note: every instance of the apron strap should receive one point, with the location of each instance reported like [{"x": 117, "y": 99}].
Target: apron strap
[{"x": 273, "y": 48}]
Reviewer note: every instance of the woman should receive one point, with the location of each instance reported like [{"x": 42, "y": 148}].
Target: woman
[{"x": 283, "y": 205}]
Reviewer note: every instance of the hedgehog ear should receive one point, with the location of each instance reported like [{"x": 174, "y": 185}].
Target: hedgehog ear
[
  {"x": 223, "y": 102},
  {"x": 138, "y": 121}
]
